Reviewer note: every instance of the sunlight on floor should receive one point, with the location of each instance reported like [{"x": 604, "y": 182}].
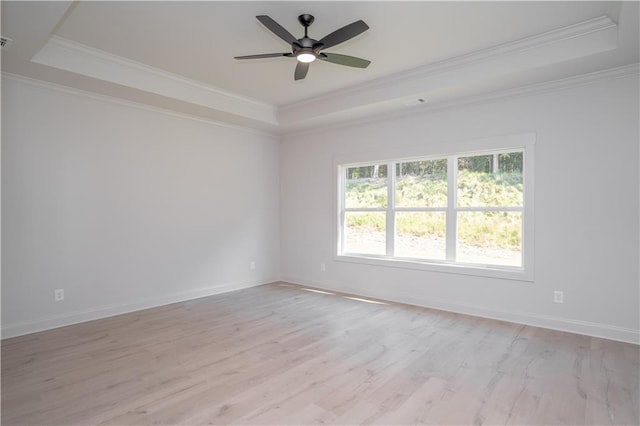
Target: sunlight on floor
[
  {"x": 359, "y": 299},
  {"x": 313, "y": 290}
]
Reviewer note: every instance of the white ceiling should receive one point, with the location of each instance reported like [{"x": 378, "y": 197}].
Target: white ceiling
[{"x": 179, "y": 55}]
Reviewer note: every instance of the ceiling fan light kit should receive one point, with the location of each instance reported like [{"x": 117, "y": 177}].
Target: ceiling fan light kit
[
  {"x": 306, "y": 56},
  {"x": 307, "y": 50}
]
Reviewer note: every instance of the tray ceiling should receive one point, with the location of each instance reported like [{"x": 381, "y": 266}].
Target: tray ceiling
[{"x": 179, "y": 55}]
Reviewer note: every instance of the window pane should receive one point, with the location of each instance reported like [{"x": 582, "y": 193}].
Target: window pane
[
  {"x": 490, "y": 180},
  {"x": 421, "y": 183},
  {"x": 490, "y": 238},
  {"x": 421, "y": 235},
  {"x": 366, "y": 186},
  {"x": 510, "y": 162},
  {"x": 365, "y": 232}
]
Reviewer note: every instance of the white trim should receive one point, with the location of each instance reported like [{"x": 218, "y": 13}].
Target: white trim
[
  {"x": 453, "y": 267},
  {"x": 88, "y": 50},
  {"x": 498, "y": 144},
  {"x": 436, "y": 149},
  {"x": 593, "y": 329},
  {"x": 574, "y": 41},
  {"x": 390, "y": 227},
  {"x": 630, "y": 70},
  {"x": 519, "y": 46},
  {"x": 119, "y": 101},
  {"x": 71, "y": 56},
  {"x": 47, "y": 323}
]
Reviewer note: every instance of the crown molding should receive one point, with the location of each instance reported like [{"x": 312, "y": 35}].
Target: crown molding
[
  {"x": 631, "y": 70},
  {"x": 561, "y": 84},
  {"x": 595, "y": 25},
  {"x": 127, "y": 103},
  {"x": 574, "y": 41},
  {"x": 624, "y": 71},
  {"x": 71, "y": 56}
]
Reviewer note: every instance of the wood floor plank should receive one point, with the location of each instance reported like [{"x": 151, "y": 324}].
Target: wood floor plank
[{"x": 285, "y": 354}]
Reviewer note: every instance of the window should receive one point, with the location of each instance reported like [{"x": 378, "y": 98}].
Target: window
[{"x": 459, "y": 210}]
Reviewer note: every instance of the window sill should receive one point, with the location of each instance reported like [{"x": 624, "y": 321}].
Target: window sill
[{"x": 505, "y": 273}]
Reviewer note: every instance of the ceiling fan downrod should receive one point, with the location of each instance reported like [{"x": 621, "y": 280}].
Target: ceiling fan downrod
[{"x": 306, "y": 20}]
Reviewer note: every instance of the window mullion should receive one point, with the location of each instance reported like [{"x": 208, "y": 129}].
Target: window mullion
[
  {"x": 342, "y": 188},
  {"x": 452, "y": 194},
  {"x": 391, "y": 204}
]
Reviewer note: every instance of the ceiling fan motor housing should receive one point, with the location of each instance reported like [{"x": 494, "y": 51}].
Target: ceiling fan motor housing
[{"x": 306, "y": 44}]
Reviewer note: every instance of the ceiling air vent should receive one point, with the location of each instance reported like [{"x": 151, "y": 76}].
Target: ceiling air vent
[{"x": 5, "y": 42}]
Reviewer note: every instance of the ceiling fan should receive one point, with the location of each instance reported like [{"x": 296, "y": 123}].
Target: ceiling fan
[{"x": 307, "y": 50}]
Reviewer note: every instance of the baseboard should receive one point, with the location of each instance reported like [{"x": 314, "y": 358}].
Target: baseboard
[
  {"x": 605, "y": 331},
  {"x": 554, "y": 323},
  {"x": 47, "y": 323}
]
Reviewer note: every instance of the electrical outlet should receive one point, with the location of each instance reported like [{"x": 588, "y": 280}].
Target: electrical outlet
[
  {"x": 323, "y": 267},
  {"x": 252, "y": 265},
  {"x": 558, "y": 296},
  {"x": 58, "y": 294}
]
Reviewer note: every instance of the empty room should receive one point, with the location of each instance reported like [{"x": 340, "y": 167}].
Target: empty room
[{"x": 320, "y": 212}]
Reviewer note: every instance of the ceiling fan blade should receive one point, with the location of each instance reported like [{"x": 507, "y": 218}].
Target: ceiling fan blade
[
  {"x": 276, "y": 28},
  {"x": 301, "y": 70},
  {"x": 343, "y": 34},
  {"x": 264, "y": 55},
  {"x": 350, "y": 61}
]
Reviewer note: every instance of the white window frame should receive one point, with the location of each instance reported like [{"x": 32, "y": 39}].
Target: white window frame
[{"x": 512, "y": 143}]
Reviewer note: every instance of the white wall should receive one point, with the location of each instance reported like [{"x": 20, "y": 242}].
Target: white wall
[
  {"x": 586, "y": 209},
  {"x": 126, "y": 208}
]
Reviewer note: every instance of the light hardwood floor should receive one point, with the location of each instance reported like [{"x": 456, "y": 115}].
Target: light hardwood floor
[{"x": 279, "y": 354}]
